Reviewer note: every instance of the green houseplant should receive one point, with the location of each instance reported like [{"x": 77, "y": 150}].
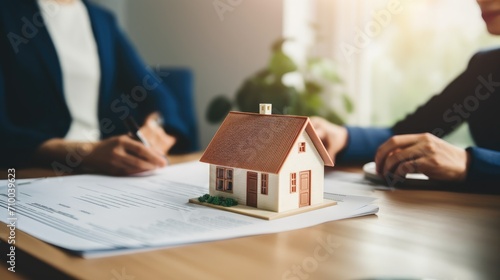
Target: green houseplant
[{"x": 320, "y": 82}]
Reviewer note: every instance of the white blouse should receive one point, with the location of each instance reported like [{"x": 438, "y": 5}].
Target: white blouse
[{"x": 70, "y": 28}]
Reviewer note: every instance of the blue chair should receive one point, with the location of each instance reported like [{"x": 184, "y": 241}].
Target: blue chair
[{"x": 180, "y": 82}]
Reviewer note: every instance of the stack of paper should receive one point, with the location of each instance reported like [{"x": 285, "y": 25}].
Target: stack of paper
[{"x": 93, "y": 215}]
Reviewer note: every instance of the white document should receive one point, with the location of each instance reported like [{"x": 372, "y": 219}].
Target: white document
[
  {"x": 92, "y": 215},
  {"x": 352, "y": 182}
]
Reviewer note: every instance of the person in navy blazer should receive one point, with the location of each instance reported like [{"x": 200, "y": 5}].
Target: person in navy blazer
[
  {"x": 413, "y": 144},
  {"x": 34, "y": 117}
]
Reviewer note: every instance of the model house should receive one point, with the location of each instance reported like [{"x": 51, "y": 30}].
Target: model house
[{"x": 271, "y": 162}]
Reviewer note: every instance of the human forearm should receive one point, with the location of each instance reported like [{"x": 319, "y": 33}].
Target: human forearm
[
  {"x": 362, "y": 143},
  {"x": 119, "y": 155},
  {"x": 70, "y": 153},
  {"x": 350, "y": 144}
]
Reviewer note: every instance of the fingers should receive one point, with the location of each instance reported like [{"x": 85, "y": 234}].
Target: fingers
[
  {"x": 327, "y": 142},
  {"x": 168, "y": 142},
  {"x": 162, "y": 142},
  {"x": 330, "y": 148},
  {"x": 421, "y": 153},
  {"x": 403, "y": 168},
  {"x": 396, "y": 142},
  {"x": 334, "y": 137},
  {"x": 153, "y": 118},
  {"x": 129, "y": 157},
  {"x": 121, "y": 155},
  {"x": 140, "y": 151},
  {"x": 126, "y": 164},
  {"x": 159, "y": 140},
  {"x": 409, "y": 166},
  {"x": 398, "y": 156}
]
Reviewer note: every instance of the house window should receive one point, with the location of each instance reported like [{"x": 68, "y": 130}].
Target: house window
[
  {"x": 293, "y": 182},
  {"x": 228, "y": 184},
  {"x": 302, "y": 147},
  {"x": 220, "y": 184},
  {"x": 224, "y": 180},
  {"x": 264, "y": 183}
]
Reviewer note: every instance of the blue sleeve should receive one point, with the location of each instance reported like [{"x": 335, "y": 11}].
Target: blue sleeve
[
  {"x": 133, "y": 73},
  {"x": 484, "y": 165},
  {"x": 362, "y": 144}
]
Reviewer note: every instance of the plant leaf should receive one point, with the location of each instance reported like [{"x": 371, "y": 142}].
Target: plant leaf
[
  {"x": 278, "y": 44},
  {"x": 348, "y": 105},
  {"x": 313, "y": 87},
  {"x": 281, "y": 64},
  {"x": 324, "y": 68},
  {"x": 218, "y": 109}
]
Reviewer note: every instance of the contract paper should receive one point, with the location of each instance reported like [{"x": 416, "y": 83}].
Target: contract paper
[{"x": 92, "y": 215}]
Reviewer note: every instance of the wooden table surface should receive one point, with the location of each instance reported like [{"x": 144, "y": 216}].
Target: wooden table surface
[{"x": 416, "y": 234}]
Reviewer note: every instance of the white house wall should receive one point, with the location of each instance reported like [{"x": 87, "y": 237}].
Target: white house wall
[
  {"x": 267, "y": 202},
  {"x": 296, "y": 162}
]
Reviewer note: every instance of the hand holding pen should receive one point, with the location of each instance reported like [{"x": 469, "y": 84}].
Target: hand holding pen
[
  {"x": 151, "y": 134},
  {"x": 123, "y": 154},
  {"x": 135, "y": 131}
]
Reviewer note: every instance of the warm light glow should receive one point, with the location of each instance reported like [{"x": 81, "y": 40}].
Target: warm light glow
[{"x": 395, "y": 54}]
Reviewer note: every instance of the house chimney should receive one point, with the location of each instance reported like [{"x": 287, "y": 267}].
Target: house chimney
[{"x": 265, "y": 108}]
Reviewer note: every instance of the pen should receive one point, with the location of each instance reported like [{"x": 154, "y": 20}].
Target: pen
[
  {"x": 135, "y": 133},
  {"x": 134, "y": 130}
]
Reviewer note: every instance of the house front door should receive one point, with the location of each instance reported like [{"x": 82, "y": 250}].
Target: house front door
[
  {"x": 252, "y": 189},
  {"x": 305, "y": 188}
]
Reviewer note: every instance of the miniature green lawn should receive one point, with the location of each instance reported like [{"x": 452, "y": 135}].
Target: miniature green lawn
[{"x": 218, "y": 200}]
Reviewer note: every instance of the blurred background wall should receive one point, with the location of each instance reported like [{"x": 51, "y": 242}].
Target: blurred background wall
[
  {"x": 392, "y": 55},
  {"x": 221, "y": 48}
]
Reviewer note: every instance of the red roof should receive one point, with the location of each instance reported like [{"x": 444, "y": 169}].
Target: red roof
[{"x": 259, "y": 142}]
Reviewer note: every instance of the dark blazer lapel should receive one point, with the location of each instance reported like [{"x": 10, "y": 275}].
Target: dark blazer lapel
[{"x": 42, "y": 42}]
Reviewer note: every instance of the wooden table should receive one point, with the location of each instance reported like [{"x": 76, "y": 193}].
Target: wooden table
[{"x": 439, "y": 235}]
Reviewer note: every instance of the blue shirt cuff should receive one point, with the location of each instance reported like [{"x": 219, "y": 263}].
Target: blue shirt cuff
[
  {"x": 484, "y": 165},
  {"x": 362, "y": 144}
]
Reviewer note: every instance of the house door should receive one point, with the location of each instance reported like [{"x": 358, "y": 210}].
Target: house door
[
  {"x": 305, "y": 188},
  {"x": 252, "y": 189}
]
